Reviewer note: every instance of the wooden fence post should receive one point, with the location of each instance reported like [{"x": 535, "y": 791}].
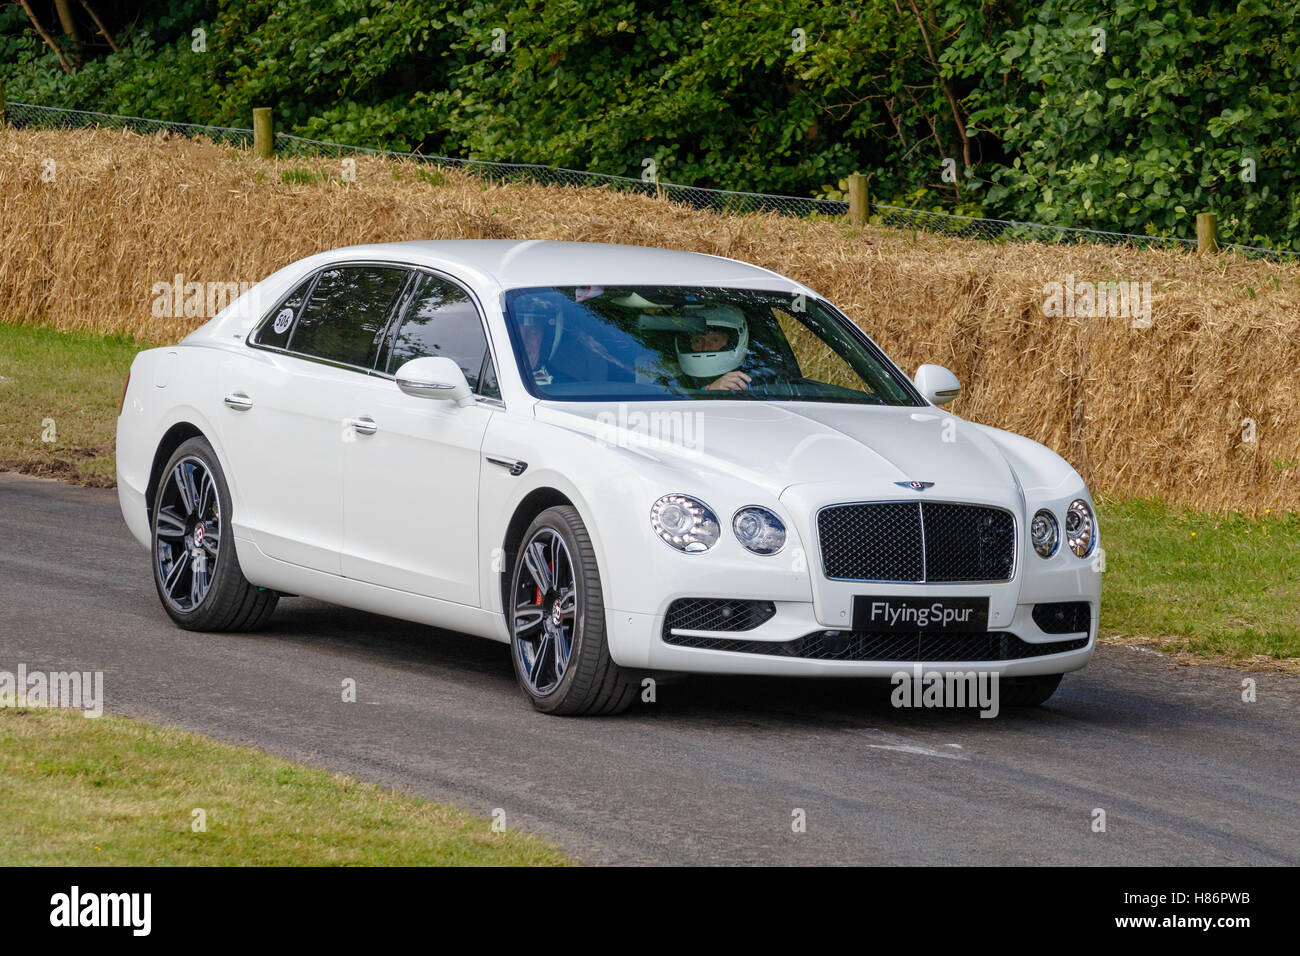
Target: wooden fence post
[
  {"x": 1207, "y": 232},
  {"x": 262, "y": 132},
  {"x": 859, "y": 208}
]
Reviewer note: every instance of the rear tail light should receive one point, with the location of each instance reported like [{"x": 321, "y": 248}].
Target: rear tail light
[{"x": 122, "y": 405}]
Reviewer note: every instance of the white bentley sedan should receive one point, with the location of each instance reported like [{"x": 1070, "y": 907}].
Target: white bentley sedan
[{"x": 620, "y": 461}]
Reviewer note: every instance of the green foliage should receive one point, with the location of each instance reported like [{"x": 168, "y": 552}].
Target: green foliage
[
  {"x": 764, "y": 95},
  {"x": 1156, "y": 127}
]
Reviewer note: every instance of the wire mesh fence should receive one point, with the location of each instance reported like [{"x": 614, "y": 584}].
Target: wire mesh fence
[
  {"x": 697, "y": 197},
  {"x": 48, "y": 117},
  {"x": 1010, "y": 230}
]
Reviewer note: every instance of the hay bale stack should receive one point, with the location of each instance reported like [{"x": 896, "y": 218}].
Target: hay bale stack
[{"x": 1156, "y": 411}]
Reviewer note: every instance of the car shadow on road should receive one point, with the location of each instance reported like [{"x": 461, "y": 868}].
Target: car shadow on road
[
  {"x": 830, "y": 702},
  {"x": 827, "y": 701},
  {"x": 317, "y": 624}
]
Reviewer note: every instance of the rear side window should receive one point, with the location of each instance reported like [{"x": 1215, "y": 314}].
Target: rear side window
[
  {"x": 441, "y": 322},
  {"x": 345, "y": 317},
  {"x": 278, "y": 326}
]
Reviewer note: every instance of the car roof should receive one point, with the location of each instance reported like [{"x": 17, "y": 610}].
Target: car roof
[
  {"x": 494, "y": 265},
  {"x": 522, "y": 263}
]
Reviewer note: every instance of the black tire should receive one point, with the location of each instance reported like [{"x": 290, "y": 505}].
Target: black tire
[
  {"x": 1028, "y": 691},
  {"x": 590, "y": 682},
  {"x": 221, "y": 599}
]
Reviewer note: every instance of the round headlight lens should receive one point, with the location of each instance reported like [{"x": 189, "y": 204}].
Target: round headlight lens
[
  {"x": 1044, "y": 533},
  {"x": 684, "y": 522},
  {"x": 1080, "y": 528},
  {"x": 759, "y": 530}
]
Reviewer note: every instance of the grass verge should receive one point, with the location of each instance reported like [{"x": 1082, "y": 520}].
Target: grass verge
[
  {"x": 60, "y": 393},
  {"x": 116, "y": 792},
  {"x": 1212, "y": 586}
]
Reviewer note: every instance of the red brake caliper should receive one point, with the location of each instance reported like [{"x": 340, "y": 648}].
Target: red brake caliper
[{"x": 538, "y": 599}]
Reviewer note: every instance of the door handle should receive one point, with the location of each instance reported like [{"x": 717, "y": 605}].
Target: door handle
[
  {"x": 365, "y": 425},
  {"x": 238, "y": 401}
]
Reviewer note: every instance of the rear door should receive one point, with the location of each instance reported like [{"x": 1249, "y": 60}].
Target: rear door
[
  {"x": 410, "y": 480},
  {"x": 287, "y": 408}
]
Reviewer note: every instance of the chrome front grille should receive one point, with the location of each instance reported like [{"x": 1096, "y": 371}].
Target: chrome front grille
[{"x": 918, "y": 542}]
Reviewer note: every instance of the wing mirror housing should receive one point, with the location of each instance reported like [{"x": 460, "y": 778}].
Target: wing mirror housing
[
  {"x": 439, "y": 378},
  {"x": 936, "y": 384}
]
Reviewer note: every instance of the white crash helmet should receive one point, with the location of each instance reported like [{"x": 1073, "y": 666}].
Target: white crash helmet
[
  {"x": 539, "y": 311},
  {"x": 723, "y": 318}
]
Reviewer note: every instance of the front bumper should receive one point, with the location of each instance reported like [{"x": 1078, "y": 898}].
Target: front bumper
[{"x": 638, "y": 641}]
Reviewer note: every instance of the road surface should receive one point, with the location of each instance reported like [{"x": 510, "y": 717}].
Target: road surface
[{"x": 714, "y": 771}]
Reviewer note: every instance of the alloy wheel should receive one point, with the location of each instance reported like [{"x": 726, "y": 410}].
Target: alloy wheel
[
  {"x": 187, "y": 533},
  {"x": 545, "y": 611}
]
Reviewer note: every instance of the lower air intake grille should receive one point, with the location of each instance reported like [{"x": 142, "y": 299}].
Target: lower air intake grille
[
  {"x": 852, "y": 646},
  {"x": 717, "y": 614},
  {"x": 1064, "y": 617}
]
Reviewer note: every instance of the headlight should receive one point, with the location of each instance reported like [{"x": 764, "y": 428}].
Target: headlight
[
  {"x": 1045, "y": 534},
  {"x": 1080, "y": 528},
  {"x": 758, "y": 530},
  {"x": 684, "y": 522}
]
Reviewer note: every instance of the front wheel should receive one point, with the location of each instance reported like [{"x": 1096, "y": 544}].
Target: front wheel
[
  {"x": 557, "y": 621},
  {"x": 195, "y": 568}
]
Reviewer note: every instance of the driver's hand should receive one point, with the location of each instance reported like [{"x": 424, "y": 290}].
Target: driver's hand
[{"x": 732, "y": 382}]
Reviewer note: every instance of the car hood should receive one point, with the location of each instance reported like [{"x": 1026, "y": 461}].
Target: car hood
[{"x": 779, "y": 444}]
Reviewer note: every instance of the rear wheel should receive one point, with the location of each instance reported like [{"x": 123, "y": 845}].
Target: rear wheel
[
  {"x": 1028, "y": 691},
  {"x": 557, "y": 621},
  {"x": 195, "y": 568}
]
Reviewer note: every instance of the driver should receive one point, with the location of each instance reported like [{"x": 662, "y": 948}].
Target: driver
[
  {"x": 717, "y": 352},
  {"x": 541, "y": 326}
]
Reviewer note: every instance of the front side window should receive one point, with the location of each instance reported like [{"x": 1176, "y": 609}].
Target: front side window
[
  {"x": 345, "y": 318},
  {"x": 441, "y": 321},
  {"x": 603, "y": 343}
]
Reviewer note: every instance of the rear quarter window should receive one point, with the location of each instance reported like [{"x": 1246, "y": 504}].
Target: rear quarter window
[{"x": 277, "y": 326}]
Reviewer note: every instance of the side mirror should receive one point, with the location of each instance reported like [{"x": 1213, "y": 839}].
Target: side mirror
[
  {"x": 936, "y": 384},
  {"x": 439, "y": 378}
]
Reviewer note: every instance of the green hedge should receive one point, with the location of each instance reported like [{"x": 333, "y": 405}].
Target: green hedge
[{"x": 765, "y": 96}]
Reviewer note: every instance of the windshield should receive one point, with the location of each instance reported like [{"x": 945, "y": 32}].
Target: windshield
[{"x": 655, "y": 343}]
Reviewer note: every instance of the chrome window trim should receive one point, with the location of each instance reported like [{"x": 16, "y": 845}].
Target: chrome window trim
[
  {"x": 315, "y": 279},
  {"x": 869, "y": 344},
  {"x": 401, "y": 303}
]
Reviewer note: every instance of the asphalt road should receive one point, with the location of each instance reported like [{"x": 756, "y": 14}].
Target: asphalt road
[{"x": 1186, "y": 771}]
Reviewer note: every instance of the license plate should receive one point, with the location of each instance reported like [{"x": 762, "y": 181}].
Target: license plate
[{"x": 891, "y": 615}]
